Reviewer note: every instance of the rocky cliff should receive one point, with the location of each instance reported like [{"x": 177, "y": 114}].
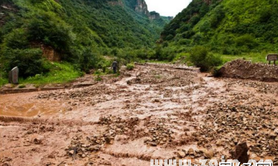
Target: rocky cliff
[
  {"x": 141, "y": 7},
  {"x": 154, "y": 15}
]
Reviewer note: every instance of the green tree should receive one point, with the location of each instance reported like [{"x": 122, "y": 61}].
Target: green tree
[{"x": 200, "y": 57}]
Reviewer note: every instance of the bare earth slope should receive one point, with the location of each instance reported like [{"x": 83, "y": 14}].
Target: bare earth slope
[{"x": 151, "y": 112}]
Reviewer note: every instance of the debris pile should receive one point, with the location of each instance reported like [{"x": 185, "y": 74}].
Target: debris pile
[
  {"x": 160, "y": 135},
  {"x": 164, "y": 77},
  {"x": 248, "y": 70},
  {"x": 226, "y": 126},
  {"x": 112, "y": 125}
]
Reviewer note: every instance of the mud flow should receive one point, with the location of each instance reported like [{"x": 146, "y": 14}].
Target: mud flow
[{"x": 152, "y": 112}]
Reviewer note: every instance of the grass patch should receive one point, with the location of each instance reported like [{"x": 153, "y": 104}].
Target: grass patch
[
  {"x": 59, "y": 73},
  {"x": 21, "y": 86},
  {"x": 3, "y": 81},
  {"x": 254, "y": 57},
  {"x": 157, "y": 61}
]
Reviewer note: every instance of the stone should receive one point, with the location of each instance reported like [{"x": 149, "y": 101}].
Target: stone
[
  {"x": 272, "y": 135},
  {"x": 191, "y": 152},
  {"x": 241, "y": 153},
  {"x": 71, "y": 152},
  {"x": 14, "y": 75},
  {"x": 181, "y": 154},
  {"x": 152, "y": 143},
  {"x": 275, "y": 161},
  {"x": 219, "y": 143},
  {"x": 37, "y": 141},
  {"x": 208, "y": 154}
]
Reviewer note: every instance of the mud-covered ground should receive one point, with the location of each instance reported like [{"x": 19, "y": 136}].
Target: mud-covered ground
[{"x": 149, "y": 113}]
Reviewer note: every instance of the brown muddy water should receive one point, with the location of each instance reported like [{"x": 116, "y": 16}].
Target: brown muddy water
[{"x": 149, "y": 113}]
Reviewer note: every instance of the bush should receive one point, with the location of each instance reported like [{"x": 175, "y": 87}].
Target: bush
[
  {"x": 29, "y": 61},
  {"x": 49, "y": 29},
  {"x": 16, "y": 39},
  {"x": 184, "y": 41},
  {"x": 130, "y": 66},
  {"x": 200, "y": 57},
  {"x": 217, "y": 17},
  {"x": 216, "y": 71},
  {"x": 246, "y": 40},
  {"x": 88, "y": 60}
]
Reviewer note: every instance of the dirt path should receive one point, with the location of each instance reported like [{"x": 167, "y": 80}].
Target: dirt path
[{"x": 149, "y": 113}]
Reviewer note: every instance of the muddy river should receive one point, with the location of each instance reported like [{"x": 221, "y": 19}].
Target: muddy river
[{"x": 152, "y": 112}]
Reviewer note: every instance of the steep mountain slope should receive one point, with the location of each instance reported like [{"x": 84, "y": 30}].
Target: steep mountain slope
[
  {"x": 72, "y": 30},
  {"x": 227, "y": 26}
]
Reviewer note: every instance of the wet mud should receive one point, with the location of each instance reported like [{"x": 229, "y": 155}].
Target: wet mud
[{"x": 152, "y": 112}]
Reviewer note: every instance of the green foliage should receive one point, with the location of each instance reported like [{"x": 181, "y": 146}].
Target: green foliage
[
  {"x": 228, "y": 27},
  {"x": 21, "y": 86},
  {"x": 88, "y": 60},
  {"x": 130, "y": 66},
  {"x": 59, "y": 73},
  {"x": 246, "y": 40},
  {"x": 200, "y": 57},
  {"x": 79, "y": 31},
  {"x": 3, "y": 81},
  {"x": 182, "y": 58},
  {"x": 167, "y": 53},
  {"x": 17, "y": 38},
  {"x": 187, "y": 19},
  {"x": 254, "y": 57},
  {"x": 205, "y": 27},
  {"x": 217, "y": 16},
  {"x": 98, "y": 78},
  {"x": 29, "y": 61},
  {"x": 47, "y": 28}
]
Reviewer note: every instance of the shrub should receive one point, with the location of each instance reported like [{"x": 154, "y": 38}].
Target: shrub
[
  {"x": 217, "y": 17},
  {"x": 197, "y": 38},
  {"x": 246, "y": 40},
  {"x": 29, "y": 61},
  {"x": 130, "y": 66},
  {"x": 98, "y": 78},
  {"x": 88, "y": 60},
  {"x": 195, "y": 19},
  {"x": 205, "y": 27},
  {"x": 21, "y": 86},
  {"x": 184, "y": 41},
  {"x": 49, "y": 29},
  {"x": 16, "y": 39},
  {"x": 200, "y": 57}
]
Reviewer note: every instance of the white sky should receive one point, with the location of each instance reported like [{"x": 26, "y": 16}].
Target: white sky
[{"x": 167, "y": 7}]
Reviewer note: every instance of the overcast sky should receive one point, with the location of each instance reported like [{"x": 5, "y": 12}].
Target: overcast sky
[{"x": 167, "y": 7}]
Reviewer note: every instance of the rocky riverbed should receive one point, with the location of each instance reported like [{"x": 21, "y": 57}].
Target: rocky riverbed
[{"x": 152, "y": 112}]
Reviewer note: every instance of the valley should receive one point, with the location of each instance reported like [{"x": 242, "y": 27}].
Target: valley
[{"x": 152, "y": 112}]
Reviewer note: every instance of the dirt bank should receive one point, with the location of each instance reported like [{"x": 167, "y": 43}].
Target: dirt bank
[
  {"x": 151, "y": 112},
  {"x": 248, "y": 70}
]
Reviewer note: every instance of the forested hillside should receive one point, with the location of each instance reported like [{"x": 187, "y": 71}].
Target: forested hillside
[
  {"x": 78, "y": 31},
  {"x": 226, "y": 27}
]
